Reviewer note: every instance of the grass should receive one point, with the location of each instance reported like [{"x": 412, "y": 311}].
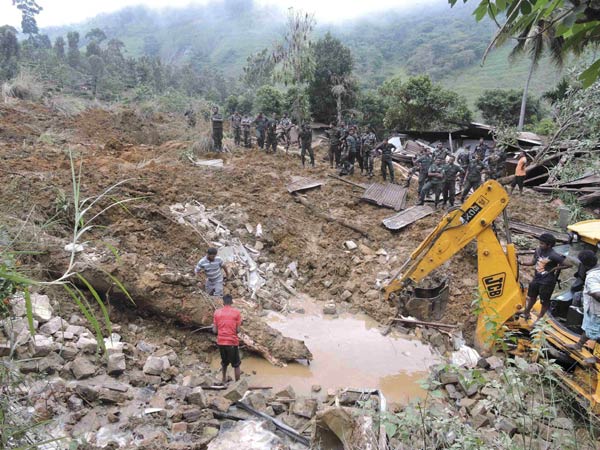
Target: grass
[{"x": 499, "y": 73}]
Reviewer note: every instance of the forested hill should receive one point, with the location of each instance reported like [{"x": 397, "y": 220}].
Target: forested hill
[{"x": 438, "y": 40}]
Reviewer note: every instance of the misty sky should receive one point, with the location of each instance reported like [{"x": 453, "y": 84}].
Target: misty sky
[{"x": 61, "y": 12}]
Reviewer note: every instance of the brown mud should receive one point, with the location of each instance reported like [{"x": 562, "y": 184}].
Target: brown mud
[{"x": 250, "y": 188}]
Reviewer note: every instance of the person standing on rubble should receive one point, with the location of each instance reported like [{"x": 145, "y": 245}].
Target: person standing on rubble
[
  {"x": 306, "y": 144},
  {"x": 520, "y": 173},
  {"x": 226, "y": 325},
  {"x": 435, "y": 181},
  {"x": 261, "y": 124},
  {"x": 451, "y": 171},
  {"x": 481, "y": 149},
  {"x": 213, "y": 267},
  {"x": 246, "y": 125},
  {"x": 271, "y": 135},
  {"x": 217, "y": 129},
  {"x": 334, "y": 144},
  {"x": 547, "y": 263},
  {"x": 440, "y": 152},
  {"x": 368, "y": 143},
  {"x": 473, "y": 176},
  {"x": 386, "y": 150},
  {"x": 236, "y": 126},
  {"x": 420, "y": 164}
]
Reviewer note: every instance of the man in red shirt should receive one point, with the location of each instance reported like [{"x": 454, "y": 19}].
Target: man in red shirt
[{"x": 226, "y": 325}]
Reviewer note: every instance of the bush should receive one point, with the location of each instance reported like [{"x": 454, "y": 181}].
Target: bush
[
  {"x": 67, "y": 106},
  {"x": 24, "y": 87}
]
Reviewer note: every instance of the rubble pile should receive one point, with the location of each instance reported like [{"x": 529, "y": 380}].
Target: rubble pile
[{"x": 139, "y": 393}]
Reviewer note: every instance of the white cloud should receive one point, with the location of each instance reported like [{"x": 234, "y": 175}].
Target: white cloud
[{"x": 61, "y": 12}]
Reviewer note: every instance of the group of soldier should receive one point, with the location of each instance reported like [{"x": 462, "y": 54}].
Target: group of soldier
[{"x": 438, "y": 172}]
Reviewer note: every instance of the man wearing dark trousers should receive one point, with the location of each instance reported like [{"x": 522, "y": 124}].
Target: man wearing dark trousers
[
  {"x": 547, "y": 263},
  {"x": 226, "y": 325}
]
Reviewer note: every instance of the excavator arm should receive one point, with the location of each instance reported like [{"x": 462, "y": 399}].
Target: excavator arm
[{"x": 498, "y": 274}]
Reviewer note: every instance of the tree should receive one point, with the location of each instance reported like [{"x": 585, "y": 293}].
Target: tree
[
  {"x": 372, "y": 107},
  {"x": 575, "y": 21},
  {"x": 151, "y": 46},
  {"x": 502, "y": 107},
  {"x": 96, "y": 71},
  {"x": 258, "y": 70},
  {"x": 421, "y": 104},
  {"x": 294, "y": 56},
  {"x": 268, "y": 100},
  {"x": 333, "y": 69},
  {"x": 73, "y": 55},
  {"x": 96, "y": 35},
  {"x": 537, "y": 40},
  {"x": 9, "y": 52},
  {"x": 59, "y": 47},
  {"x": 29, "y": 9}
]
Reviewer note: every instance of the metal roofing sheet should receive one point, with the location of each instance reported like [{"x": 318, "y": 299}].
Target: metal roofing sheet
[
  {"x": 405, "y": 218},
  {"x": 388, "y": 195},
  {"x": 303, "y": 184}
]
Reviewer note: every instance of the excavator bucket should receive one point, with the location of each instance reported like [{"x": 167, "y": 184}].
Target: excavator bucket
[{"x": 428, "y": 303}]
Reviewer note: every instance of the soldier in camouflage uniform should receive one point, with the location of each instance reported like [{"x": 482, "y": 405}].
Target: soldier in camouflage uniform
[
  {"x": 386, "y": 150},
  {"x": 368, "y": 144},
  {"x": 286, "y": 125},
  {"x": 473, "y": 176},
  {"x": 334, "y": 143},
  {"x": 348, "y": 153},
  {"x": 421, "y": 164},
  {"x": 271, "y": 135},
  {"x": 440, "y": 152},
  {"x": 246, "y": 128},
  {"x": 217, "y": 129},
  {"x": 236, "y": 126},
  {"x": 306, "y": 144},
  {"x": 261, "y": 124},
  {"x": 435, "y": 181},
  {"x": 451, "y": 170}
]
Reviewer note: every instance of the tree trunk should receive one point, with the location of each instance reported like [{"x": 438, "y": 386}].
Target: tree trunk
[
  {"x": 339, "y": 108},
  {"x": 524, "y": 99}
]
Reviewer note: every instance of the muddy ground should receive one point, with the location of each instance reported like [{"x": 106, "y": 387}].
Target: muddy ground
[{"x": 116, "y": 145}]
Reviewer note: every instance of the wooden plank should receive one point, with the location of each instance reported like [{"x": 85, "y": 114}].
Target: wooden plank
[{"x": 405, "y": 218}]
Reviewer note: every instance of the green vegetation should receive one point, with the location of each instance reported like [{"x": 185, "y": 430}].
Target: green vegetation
[{"x": 499, "y": 106}]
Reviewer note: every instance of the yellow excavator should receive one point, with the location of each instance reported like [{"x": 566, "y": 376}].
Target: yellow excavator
[{"x": 501, "y": 292}]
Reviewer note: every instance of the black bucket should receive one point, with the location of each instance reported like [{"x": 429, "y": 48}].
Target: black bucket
[{"x": 428, "y": 304}]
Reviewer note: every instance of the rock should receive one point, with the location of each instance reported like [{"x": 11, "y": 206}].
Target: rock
[
  {"x": 346, "y": 295},
  {"x": 506, "y": 425},
  {"x": 287, "y": 392},
  {"x": 236, "y": 391},
  {"x": 145, "y": 347},
  {"x": 495, "y": 362},
  {"x": 330, "y": 308},
  {"x": 197, "y": 397},
  {"x": 69, "y": 352},
  {"x": 87, "y": 345},
  {"x": 40, "y": 308},
  {"x": 179, "y": 428},
  {"x": 53, "y": 325},
  {"x": 316, "y": 388},
  {"x": 192, "y": 414},
  {"x": 40, "y": 345},
  {"x": 452, "y": 392},
  {"x": 258, "y": 245},
  {"x": 257, "y": 400},
  {"x": 116, "y": 364},
  {"x": 469, "y": 386},
  {"x": 480, "y": 421},
  {"x": 155, "y": 365},
  {"x": 4, "y": 349},
  {"x": 82, "y": 368},
  {"x": 195, "y": 380},
  {"x": 305, "y": 407},
  {"x": 169, "y": 353},
  {"x": 327, "y": 283},
  {"x": 350, "y": 245},
  {"x": 467, "y": 403},
  {"x": 219, "y": 403},
  {"x": 448, "y": 377},
  {"x": 111, "y": 397},
  {"x": 74, "y": 403},
  {"x": 171, "y": 342},
  {"x": 87, "y": 392},
  {"x": 372, "y": 294},
  {"x": 76, "y": 330},
  {"x": 277, "y": 407},
  {"x": 564, "y": 423},
  {"x": 478, "y": 409},
  {"x": 51, "y": 363}
]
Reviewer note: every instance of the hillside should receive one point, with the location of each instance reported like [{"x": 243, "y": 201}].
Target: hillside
[{"x": 444, "y": 42}]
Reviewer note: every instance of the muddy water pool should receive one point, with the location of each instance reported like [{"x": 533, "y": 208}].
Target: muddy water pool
[{"x": 349, "y": 351}]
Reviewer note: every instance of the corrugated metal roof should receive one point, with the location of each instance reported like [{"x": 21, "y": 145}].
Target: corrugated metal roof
[
  {"x": 388, "y": 195},
  {"x": 405, "y": 218},
  {"x": 303, "y": 184}
]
